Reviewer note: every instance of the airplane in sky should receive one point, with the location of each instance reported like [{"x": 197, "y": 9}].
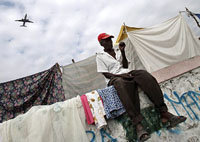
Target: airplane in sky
[{"x": 24, "y": 20}]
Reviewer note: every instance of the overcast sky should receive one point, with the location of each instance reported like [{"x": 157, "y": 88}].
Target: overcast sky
[{"x": 68, "y": 29}]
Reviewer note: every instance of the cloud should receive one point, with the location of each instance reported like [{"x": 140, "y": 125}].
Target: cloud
[{"x": 65, "y": 30}]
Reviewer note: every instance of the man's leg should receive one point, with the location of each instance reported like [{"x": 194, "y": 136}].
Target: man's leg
[
  {"x": 128, "y": 93},
  {"x": 150, "y": 87}
]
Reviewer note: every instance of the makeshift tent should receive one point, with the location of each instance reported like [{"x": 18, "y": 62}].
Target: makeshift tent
[
  {"x": 159, "y": 46},
  {"x": 150, "y": 48},
  {"x": 18, "y": 96}
]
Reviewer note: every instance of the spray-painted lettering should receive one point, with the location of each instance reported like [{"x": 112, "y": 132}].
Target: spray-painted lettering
[
  {"x": 187, "y": 100},
  {"x": 103, "y": 133}
]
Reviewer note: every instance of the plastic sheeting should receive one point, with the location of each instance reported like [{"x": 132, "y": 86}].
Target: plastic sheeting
[
  {"x": 82, "y": 77},
  {"x": 164, "y": 44}
]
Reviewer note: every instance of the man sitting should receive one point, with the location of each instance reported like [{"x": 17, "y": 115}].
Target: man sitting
[{"x": 113, "y": 65}]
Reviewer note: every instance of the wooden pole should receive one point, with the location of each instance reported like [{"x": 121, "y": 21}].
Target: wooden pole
[
  {"x": 191, "y": 14},
  {"x": 58, "y": 66}
]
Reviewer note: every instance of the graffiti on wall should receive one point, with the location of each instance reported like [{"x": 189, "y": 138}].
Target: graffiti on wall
[
  {"x": 188, "y": 101},
  {"x": 103, "y": 134}
]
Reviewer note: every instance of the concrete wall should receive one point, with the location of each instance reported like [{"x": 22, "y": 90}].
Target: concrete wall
[{"x": 182, "y": 95}]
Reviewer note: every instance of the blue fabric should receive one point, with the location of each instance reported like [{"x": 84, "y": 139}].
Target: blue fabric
[
  {"x": 112, "y": 104},
  {"x": 198, "y": 15}
]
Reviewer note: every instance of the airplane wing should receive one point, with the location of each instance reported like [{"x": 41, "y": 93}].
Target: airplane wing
[
  {"x": 29, "y": 21},
  {"x": 20, "y": 20}
]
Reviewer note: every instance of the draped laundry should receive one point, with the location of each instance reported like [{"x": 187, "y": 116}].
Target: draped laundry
[
  {"x": 82, "y": 77},
  {"x": 162, "y": 45},
  {"x": 60, "y": 122},
  {"x": 97, "y": 109},
  {"x": 18, "y": 96},
  {"x": 112, "y": 104},
  {"x": 87, "y": 110}
]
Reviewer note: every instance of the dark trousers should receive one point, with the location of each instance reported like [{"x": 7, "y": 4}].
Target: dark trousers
[{"x": 127, "y": 90}]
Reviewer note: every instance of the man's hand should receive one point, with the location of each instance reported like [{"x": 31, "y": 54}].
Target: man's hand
[{"x": 122, "y": 46}]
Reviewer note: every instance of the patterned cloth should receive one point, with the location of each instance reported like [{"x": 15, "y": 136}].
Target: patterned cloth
[
  {"x": 112, "y": 104},
  {"x": 97, "y": 109},
  {"x": 18, "y": 96}
]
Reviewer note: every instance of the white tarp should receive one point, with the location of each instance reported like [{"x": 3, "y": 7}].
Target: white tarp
[
  {"x": 164, "y": 44},
  {"x": 82, "y": 77}
]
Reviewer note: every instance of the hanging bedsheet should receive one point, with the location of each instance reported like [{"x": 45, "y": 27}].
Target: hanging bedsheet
[
  {"x": 18, "y": 96},
  {"x": 82, "y": 77},
  {"x": 59, "y": 122},
  {"x": 163, "y": 45}
]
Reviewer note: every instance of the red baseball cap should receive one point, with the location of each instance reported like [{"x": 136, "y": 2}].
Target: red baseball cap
[{"x": 104, "y": 36}]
